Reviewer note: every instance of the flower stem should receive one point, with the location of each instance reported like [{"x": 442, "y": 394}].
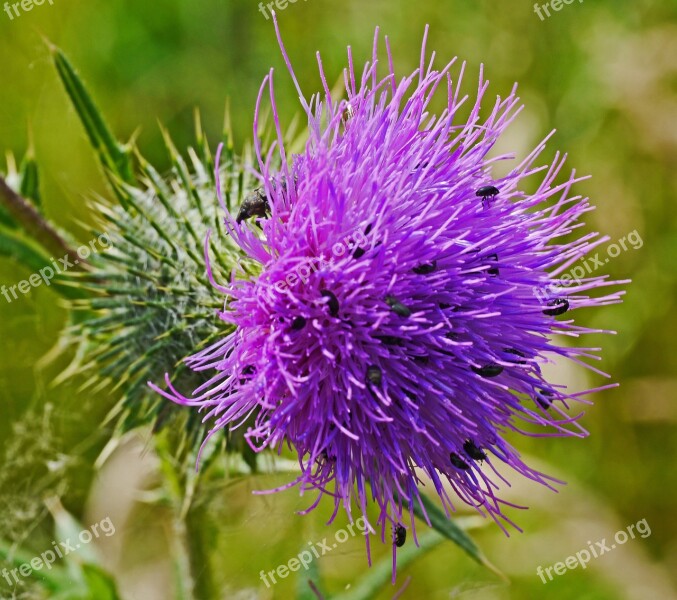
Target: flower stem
[{"x": 189, "y": 547}]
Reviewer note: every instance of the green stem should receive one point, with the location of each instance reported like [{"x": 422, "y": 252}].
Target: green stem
[
  {"x": 185, "y": 586},
  {"x": 194, "y": 573},
  {"x": 203, "y": 581},
  {"x": 35, "y": 225}
]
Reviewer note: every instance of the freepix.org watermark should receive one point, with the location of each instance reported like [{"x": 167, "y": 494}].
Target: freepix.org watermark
[
  {"x": 303, "y": 559},
  {"x": 58, "y": 551},
  {"x": 588, "y": 266},
  {"x": 556, "y": 5},
  {"x": 46, "y": 274},
  {"x": 279, "y": 4},
  {"x": 350, "y": 243},
  {"x": 12, "y": 9},
  {"x": 583, "y": 557}
]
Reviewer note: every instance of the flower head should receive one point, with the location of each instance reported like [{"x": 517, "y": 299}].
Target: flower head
[{"x": 394, "y": 332}]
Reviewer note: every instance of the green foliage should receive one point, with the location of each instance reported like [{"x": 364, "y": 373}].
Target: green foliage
[
  {"x": 75, "y": 576},
  {"x": 428, "y": 511}
]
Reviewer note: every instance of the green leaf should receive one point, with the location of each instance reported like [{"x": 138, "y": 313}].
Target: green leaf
[
  {"x": 6, "y": 219},
  {"x": 100, "y": 584},
  {"x": 304, "y": 589},
  {"x": 451, "y": 530},
  {"x": 113, "y": 155},
  {"x": 53, "y": 579},
  {"x": 381, "y": 573},
  {"x": 13, "y": 246}
]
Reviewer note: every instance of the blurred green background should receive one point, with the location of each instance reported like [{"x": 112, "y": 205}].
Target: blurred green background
[{"x": 603, "y": 73}]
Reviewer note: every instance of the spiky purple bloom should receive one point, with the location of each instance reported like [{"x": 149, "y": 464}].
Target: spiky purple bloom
[{"x": 396, "y": 329}]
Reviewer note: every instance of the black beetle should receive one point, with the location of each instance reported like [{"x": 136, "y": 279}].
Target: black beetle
[
  {"x": 490, "y": 370},
  {"x": 473, "y": 451},
  {"x": 400, "y": 536},
  {"x": 559, "y": 307},
  {"x": 332, "y": 302},
  {"x": 487, "y": 191},
  {"x": 425, "y": 268},
  {"x": 298, "y": 323},
  {"x": 458, "y": 462}
]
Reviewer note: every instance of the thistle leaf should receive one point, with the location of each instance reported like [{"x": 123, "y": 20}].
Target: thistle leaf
[
  {"x": 381, "y": 573},
  {"x": 114, "y": 156},
  {"x": 13, "y": 246},
  {"x": 427, "y": 510},
  {"x": 6, "y": 219}
]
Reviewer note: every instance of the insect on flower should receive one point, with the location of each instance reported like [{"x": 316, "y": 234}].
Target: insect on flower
[
  {"x": 458, "y": 462},
  {"x": 473, "y": 451},
  {"x": 388, "y": 337},
  {"x": 400, "y": 536},
  {"x": 487, "y": 192},
  {"x": 559, "y": 307}
]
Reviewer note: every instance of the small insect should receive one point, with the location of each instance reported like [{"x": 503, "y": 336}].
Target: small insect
[
  {"x": 487, "y": 192},
  {"x": 490, "y": 370},
  {"x": 374, "y": 375},
  {"x": 473, "y": 451},
  {"x": 254, "y": 204},
  {"x": 544, "y": 399},
  {"x": 324, "y": 457},
  {"x": 397, "y": 306},
  {"x": 559, "y": 307},
  {"x": 247, "y": 371},
  {"x": 492, "y": 270},
  {"x": 332, "y": 303},
  {"x": 458, "y": 462},
  {"x": 400, "y": 536},
  {"x": 298, "y": 323},
  {"x": 425, "y": 268}
]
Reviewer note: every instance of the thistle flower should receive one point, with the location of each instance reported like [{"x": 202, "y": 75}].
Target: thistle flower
[{"x": 394, "y": 330}]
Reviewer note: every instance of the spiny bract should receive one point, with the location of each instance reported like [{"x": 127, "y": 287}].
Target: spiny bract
[{"x": 149, "y": 301}]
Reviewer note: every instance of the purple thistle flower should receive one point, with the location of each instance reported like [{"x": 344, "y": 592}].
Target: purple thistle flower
[{"x": 397, "y": 329}]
